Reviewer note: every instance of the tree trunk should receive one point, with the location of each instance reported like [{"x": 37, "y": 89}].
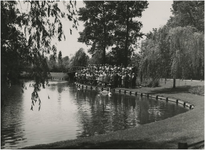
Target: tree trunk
[
  {"x": 174, "y": 83},
  {"x": 141, "y": 77},
  {"x": 127, "y": 36},
  {"x": 104, "y": 30}
]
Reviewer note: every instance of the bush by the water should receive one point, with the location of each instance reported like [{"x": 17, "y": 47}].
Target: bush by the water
[{"x": 151, "y": 83}]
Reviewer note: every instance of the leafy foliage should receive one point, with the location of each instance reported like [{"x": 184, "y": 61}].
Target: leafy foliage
[
  {"x": 110, "y": 23},
  {"x": 58, "y": 64},
  {"x": 14, "y": 49},
  {"x": 155, "y": 57},
  {"x": 98, "y": 18},
  {"x": 26, "y": 37},
  {"x": 127, "y": 28},
  {"x": 186, "y": 46},
  {"x": 79, "y": 59},
  {"x": 177, "y": 49},
  {"x": 188, "y": 14}
]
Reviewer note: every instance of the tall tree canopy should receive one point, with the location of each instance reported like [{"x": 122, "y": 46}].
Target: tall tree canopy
[
  {"x": 127, "y": 28},
  {"x": 188, "y": 14},
  {"x": 187, "y": 51},
  {"x": 97, "y": 16},
  {"x": 109, "y": 23}
]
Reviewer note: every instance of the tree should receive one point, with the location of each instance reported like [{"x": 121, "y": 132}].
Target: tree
[
  {"x": 158, "y": 41},
  {"x": 177, "y": 52},
  {"x": 189, "y": 13},
  {"x": 187, "y": 51},
  {"x": 97, "y": 16},
  {"x": 52, "y": 64},
  {"x": 27, "y": 36},
  {"x": 128, "y": 27},
  {"x": 66, "y": 62},
  {"x": 190, "y": 16},
  {"x": 38, "y": 25},
  {"x": 177, "y": 49},
  {"x": 97, "y": 59},
  {"x": 60, "y": 61},
  {"x": 14, "y": 51},
  {"x": 108, "y": 23},
  {"x": 150, "y": 64},
  {"x": 79, "y": 59}
]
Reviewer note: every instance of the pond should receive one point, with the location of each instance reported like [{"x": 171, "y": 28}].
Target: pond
[{"x": 67, "y": 113}]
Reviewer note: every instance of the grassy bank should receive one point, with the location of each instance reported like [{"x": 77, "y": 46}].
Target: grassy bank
[{"x": 186, "y": 127}]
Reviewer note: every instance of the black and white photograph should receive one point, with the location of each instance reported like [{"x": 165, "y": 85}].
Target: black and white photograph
[{"x": 81, "y": 74}]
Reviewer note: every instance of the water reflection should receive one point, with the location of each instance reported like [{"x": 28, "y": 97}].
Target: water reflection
[
  {"x": 68, "y": 113},
  {"x": 11, "y": 127},
  {"x": 100, "y": 114}
]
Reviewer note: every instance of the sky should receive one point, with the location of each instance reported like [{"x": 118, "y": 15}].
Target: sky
[{"x": 156, "y": 15}]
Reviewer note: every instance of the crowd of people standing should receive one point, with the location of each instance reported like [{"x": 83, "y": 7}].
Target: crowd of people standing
[{"x": 107, "y": 76}]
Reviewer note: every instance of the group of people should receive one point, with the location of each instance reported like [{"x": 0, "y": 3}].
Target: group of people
[{"x": 107, "y": 76}]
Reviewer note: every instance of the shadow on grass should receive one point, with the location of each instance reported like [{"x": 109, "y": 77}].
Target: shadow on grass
[
  {"x": 120, "y": 144},
  {"x": 123, "y": 144},
  {"x": 116, "y": 144}
]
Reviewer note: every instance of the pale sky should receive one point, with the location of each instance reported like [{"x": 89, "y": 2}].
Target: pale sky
[{"x": 155, "y": 16}]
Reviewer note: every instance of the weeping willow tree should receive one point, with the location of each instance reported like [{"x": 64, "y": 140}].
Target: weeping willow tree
[
  {"x": 177, "y": 49},
  {"x": 28, "y": 29},
  {"x": 187, "y": 53},
  {"x": 178, "y": 52},
  {"x": 150, "y": 64},
  {"x": 155, "y": 58}
]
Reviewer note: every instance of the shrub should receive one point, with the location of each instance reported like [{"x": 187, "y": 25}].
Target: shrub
[
  {"x": 199, "y": 90},
  {"x": 152, "y": 83}
]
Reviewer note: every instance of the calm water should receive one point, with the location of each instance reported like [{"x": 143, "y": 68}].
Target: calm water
[{"x": 71, "y": 114}]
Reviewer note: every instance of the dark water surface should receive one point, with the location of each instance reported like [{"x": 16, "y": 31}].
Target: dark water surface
[{"x": 67, "y": 113}]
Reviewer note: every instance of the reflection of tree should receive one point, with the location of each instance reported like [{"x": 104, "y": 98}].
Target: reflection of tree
[
  {"x": 84, "y": 111},
  {"x": 172, "y": 109},
  {"x": 60, "y": 88},
  {"x": 100, "y": 114},
  {"x": 143, "y": 107},
  {"x": 11, "y": 115}
]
